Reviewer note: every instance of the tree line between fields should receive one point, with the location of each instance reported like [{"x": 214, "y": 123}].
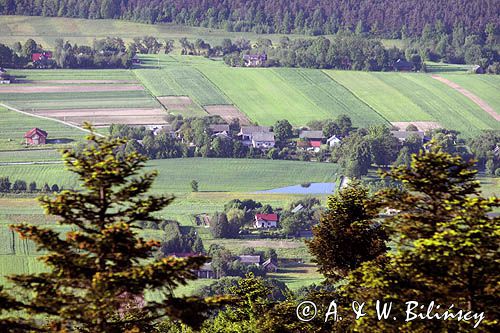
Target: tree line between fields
[
  {"x": 444, "y": 247},
  {"x": 347, "y": 51},
  {"x": 358, "y": 150},
  {"x": 21, "y": 186}
]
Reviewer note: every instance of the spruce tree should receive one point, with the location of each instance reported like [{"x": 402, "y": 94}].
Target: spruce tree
[
  {"x": 96, "y": 268},
  {"x": 347, "y": 234},
  {"x": 448, "y": 249}
]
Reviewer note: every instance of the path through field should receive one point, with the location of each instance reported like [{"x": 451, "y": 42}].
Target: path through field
[{"x": 482, "y": 104}]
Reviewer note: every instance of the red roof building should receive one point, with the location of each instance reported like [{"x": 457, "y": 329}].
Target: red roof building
[
  {"x": 41, "y": 56},
  {"x": 36, "y": 136},
  {"x": 266, "y": 221},
  {"x": 315, "y": 143}
]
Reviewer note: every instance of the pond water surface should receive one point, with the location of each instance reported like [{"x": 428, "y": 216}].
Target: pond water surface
[{"x": 312, "y": 188}]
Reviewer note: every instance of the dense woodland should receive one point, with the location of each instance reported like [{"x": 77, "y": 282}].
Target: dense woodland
[{"x": 385, "y": 17}]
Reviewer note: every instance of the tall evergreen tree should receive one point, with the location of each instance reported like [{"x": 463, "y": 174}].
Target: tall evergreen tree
[
  {"x": 97, "y": 267},
  {"x": 347, "y": 234}
]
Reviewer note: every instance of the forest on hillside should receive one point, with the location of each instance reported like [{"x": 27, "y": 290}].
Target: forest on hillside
[{"x": 388, "y": 18}]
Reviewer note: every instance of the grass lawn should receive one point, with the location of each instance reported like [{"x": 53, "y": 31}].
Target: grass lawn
[{"x": 14, "y": 125}]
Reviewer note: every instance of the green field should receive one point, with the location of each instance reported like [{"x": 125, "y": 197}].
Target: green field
[
  {"x": 486, "y": 87},
  {"x": 13, "y": 125},
  {"x": 213, "y": 175},
  {"x": 330, "y": 96},
  {"x": 264, "y": 96},
  {"x": 182, "y": 80},
  {"x": 73, "y": 74},
  {"x": 418, "y": 97}
]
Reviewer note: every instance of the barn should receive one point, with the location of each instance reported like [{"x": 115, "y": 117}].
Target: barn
[{"x": 36, "y": 136}]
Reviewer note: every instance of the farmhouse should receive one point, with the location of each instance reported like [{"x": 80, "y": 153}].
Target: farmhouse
[
  {"x": 402, "y": 65},
  {"x": 310, "y": 140},
  {"x": 206, "y": 271},
  {"x": 333, "y": 141},
  {"x": 246, "y": 132},
  {"x": 263, "y": 140},
  {"x": 270, "y": 266},
  {"x": 250, "y": 260},
  {"x": 255, "y": 60},
  {"x": 266, "y": 221},
  {"x": 312, "y": 136},
  {"x": 36, "y": 136},
  {"x": 216, "y": 129},
  {"x": 402, "y": 136}
]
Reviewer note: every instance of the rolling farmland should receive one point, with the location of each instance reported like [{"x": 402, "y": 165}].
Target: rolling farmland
[
  {"x": 213, "y": 175},
  {"x": 417, "y": 97},
  {"x": 75, "y": 96},
  {"x": 329, "y": 95},
  {"x": 264, "y": 96}
]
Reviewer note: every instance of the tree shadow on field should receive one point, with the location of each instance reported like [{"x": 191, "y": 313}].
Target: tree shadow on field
[{"x": 58, "y": 141}]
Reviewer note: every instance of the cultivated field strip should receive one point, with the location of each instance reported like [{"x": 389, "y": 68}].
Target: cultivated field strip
[
  {"x": 486, "y": 87},
  {"x": 264, "y": 96},
  {"x": 385, "y": 98},
  {"x": 43, "y": 89},
  {"x": 101, "y": 75},
  {"x": 329, "y": 95},
  {"x": 182, "y": 80}
]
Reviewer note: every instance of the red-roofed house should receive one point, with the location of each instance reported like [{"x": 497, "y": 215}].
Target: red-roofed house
[
  {"x": 41, "y": 56},
  {"x": 266, "y": 221},
  {"x": 35, "y": 136}
]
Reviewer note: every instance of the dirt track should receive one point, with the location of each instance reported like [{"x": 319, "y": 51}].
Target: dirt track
[{"x": 481, "y": 103}]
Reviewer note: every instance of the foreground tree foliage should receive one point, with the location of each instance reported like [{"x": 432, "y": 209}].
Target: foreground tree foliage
[
  {"x": 347, "y": 234},
  {"x": 447, "y": 249},
  {"x": 103, "y": 267}
]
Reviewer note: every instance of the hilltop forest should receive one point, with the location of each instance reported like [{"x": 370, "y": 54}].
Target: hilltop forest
[{"x": 388, "y": 18}]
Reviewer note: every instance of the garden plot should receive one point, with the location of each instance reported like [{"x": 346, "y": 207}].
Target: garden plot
[
  {"x": 228, "y": 113},
  {"x": 421, "y": 125},
  {"x": 182, "y": 105}
]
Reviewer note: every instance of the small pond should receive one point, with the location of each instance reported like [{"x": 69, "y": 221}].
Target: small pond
[{"x": 310, "y": 188}]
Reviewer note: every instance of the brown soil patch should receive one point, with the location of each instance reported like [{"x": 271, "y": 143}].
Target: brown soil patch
[
  {"x": 70, "y": 88},
  {"x": 421, "y": 125},
  {"x": 108, "y": 120},
  {"x": 48, "y": 82},
  {"x": 178, "y": 103},
  {"x": 228, "y": 113},
  {"x": 101, "y": 117},
  {"x": 100, "y": 112},
  {"x": 482, "y": 104}
]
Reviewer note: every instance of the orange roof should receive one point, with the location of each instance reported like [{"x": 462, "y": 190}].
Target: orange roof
[
  {"x": 267, "y": 217},
  {"x": 34, "y": 131}
]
